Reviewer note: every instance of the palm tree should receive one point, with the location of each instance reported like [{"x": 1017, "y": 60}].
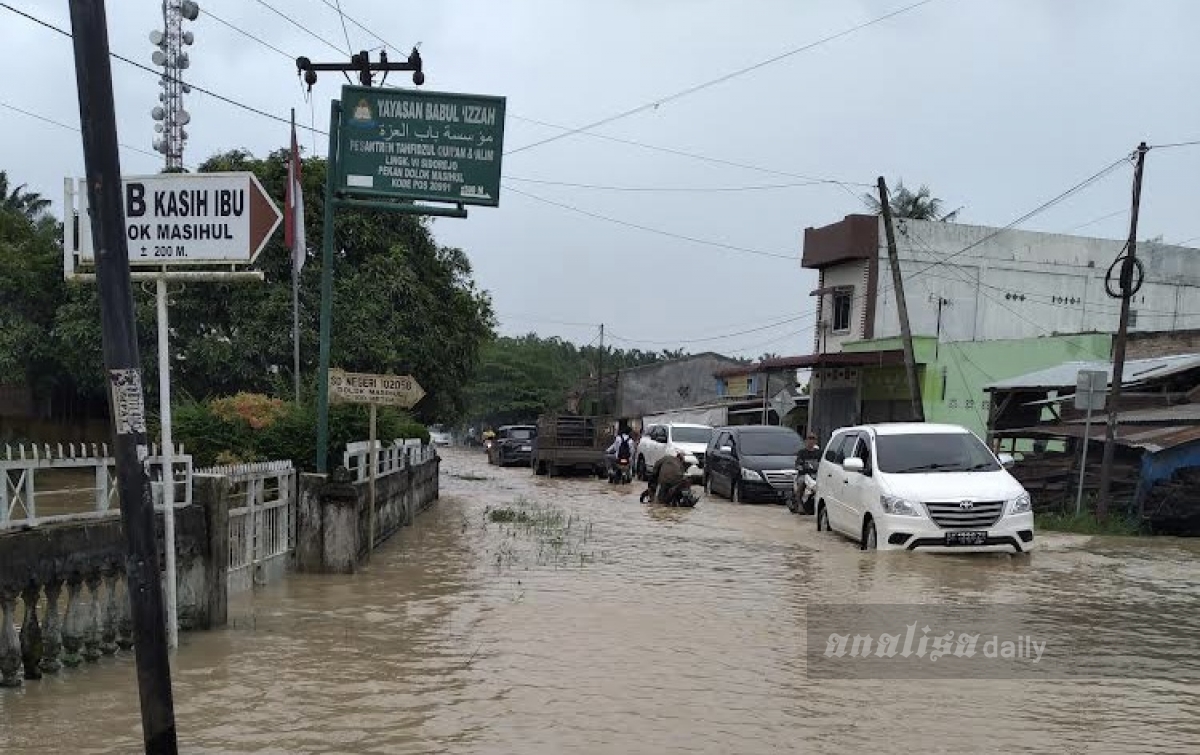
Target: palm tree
[
  {"x": 921, "y": 205},
  {"x": 27, "y": 203}
]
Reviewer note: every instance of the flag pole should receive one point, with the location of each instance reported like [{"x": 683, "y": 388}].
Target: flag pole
[{"x": 295, "y": 268}]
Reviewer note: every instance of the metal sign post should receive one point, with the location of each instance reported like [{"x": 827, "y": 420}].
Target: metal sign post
[
  {"x": 401, "y": 391},
  {"x": 1090, "y": 393},
  {"x": 174, "y": 220}
]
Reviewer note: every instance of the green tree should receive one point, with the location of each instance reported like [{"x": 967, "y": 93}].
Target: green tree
[
  {"x": 919, "y": 205},
  {"x": 27, "y": 203}
]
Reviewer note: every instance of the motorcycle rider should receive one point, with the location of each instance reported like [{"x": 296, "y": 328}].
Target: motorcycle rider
[
  {"x": 668, "y": 476},
  {"x": 806, "y": 465},
  {"x": 622, "y": 449}
]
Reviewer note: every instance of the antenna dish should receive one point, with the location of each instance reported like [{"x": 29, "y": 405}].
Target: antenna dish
[
  {"x": 156, "y": 37},
  {"x": 189, "y": 9},
  {"x": 184, "y": 117},
  {"x": 188, "y": 38},
  {"x": 159, "y": 57},
  {"x": 157, "y": 113}
]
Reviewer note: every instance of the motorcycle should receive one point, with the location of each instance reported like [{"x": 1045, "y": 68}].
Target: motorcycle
[
  {"x": 686, "y": 495},
  {"x": 620, "y": 473},
  {"x": 804, "y": 489}
]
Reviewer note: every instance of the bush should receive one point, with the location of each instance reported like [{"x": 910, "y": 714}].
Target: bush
[{"x": 252, "y": 427}]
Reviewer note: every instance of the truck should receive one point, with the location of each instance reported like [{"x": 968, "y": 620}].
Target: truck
[{"x": 571, "y": 442}]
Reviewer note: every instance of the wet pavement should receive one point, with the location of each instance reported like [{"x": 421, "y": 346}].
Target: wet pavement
[{"x": 586, "y": 622}]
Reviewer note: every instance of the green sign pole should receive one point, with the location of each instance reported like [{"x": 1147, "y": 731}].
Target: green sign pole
[{"x": 335, "y": 115}]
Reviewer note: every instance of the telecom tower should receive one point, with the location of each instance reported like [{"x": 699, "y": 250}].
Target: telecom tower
[{"x": 170, "y": 115}]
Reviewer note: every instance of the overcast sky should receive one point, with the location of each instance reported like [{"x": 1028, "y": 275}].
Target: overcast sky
[{"x": 997, "y": 106}]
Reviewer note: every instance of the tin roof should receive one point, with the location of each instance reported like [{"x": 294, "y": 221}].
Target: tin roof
[
  {"x": 1152, "y": 439},
  {"x": 1137, "y": 371},
  {"x": 1180, "y": 414},
  {"x": 884, "y": 358}
]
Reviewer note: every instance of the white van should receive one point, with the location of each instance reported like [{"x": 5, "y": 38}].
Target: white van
[
  {"x": 909, "y": 486},
  {"x": 665, "y": 439}
]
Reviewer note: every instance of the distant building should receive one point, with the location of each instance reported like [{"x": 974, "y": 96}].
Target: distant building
[
  {"x": 984, "y": 304},
  {"x": 665, "y": 386}
]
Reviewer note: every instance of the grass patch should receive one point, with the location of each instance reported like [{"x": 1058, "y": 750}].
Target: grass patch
[
  {"x": 543, "y": 534},
  {"x": 1086, "y": 523}
]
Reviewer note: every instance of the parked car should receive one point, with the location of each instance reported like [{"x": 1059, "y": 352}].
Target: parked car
[
  {"x": 440, "y": 436},
  {"x": 913, "y": 485},
  {"x": 513, "y": 445},
  {"x": 752, "y": 462},
  {"x": 661, "y": 440}
]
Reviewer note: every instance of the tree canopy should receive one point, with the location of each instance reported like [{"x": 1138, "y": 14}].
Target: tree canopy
[
  {"x": 904, "y": 203},
  {"x": 402, "y": 303}
]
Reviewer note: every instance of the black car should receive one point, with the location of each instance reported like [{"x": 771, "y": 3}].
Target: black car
[
  {"x": 752, "y": 462},
  {"x": 514, "y": 445}
]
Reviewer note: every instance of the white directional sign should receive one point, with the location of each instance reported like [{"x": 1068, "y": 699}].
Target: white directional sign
[
  {"x": 192, "y": 218},
  {"x": 384, "y": 390}
]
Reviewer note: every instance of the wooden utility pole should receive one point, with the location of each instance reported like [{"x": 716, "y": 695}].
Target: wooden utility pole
[
  {"x": 1127, "y": 291},
  {"x": 910, "y": 362},
  {"x": 600, "y": 374},
  {"x": 122, "y": 362}
]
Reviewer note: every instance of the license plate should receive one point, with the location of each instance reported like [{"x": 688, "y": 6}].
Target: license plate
[
  {"x": 966, "y": 538},
  {"x": 526, "y": 448}
]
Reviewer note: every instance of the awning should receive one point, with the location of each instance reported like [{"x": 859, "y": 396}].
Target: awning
[{"x": 890, "y": 358}]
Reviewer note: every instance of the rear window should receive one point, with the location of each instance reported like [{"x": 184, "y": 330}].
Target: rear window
[{"x": 520, "y": 433}]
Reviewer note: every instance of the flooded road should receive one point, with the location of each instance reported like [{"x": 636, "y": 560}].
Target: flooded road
[{"x": 586, "y": 622}]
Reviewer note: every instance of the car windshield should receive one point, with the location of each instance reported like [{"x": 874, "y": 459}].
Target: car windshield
[
  {"x": 933, "y": 452},
  {"x": 691, "y": 434},
  {"x": 520, "y": 433},
  {"x": 770, "y": 444}
]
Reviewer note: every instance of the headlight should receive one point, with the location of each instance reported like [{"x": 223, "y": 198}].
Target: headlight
[
  {"x": 899, "y": 506},
  {"x": 1022, "y": 504},
  {"x": 750, "y": 474}
]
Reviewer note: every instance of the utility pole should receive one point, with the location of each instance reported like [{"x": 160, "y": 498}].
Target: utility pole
[
  {"x": 910, "y": 362},
  {"x": 360, "y": 63},
  {"x": 600, "y": 373},
  {"x": 127, "y": 402},
  {"x": 1126, "y": 291}
]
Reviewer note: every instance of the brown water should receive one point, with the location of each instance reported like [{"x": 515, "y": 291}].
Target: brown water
[{"x": 637, "y": 630}]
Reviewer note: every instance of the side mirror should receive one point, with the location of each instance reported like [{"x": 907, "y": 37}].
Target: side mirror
[
  {"x": 853, "y": 464},
  {"x": 1006, "y": 460}
]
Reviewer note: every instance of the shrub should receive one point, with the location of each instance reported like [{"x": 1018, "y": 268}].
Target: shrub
[{"x": 252, "y": 427}]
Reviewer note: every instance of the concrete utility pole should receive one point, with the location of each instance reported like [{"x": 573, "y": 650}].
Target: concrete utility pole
[
  {"x": 600, "y": 373},
  {"x": 127, "y": 402},
  {"x": 910, "y": 362},
  {"x": 1126, "y": 290}
]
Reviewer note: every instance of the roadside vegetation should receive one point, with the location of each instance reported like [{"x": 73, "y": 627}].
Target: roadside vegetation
[
  {"x": 1086, "y": 523},
  {"x": 535, "y": 534}
]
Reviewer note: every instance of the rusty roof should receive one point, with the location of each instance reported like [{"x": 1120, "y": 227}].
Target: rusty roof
[
  {"x": 887, "y": 358},
  {"x": 1152, "y": 439}
]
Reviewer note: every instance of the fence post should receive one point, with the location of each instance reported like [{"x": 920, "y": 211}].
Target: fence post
[
  {"x": 30, "y": 504},
  {"x": 101, "y": 485}
]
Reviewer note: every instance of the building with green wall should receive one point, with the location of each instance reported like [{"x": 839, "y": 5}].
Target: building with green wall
[{"x": 953, "y": 375}]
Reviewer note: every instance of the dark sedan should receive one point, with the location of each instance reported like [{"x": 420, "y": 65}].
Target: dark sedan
[{"x": 514, "y": 445}]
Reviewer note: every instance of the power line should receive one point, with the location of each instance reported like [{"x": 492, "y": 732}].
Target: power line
[
  {"x": 720, "y": 79},
  {"x": 69, "y": 127},
  {"x": 159, "y": 74},
  {"x": 1171, "y": 145},
  {"x": 657, "y": 231},
  {"x": 1113, "y": 214},
  {"x": 707, "y": 339},
  {"x": 209, "y": 14},
  {"x": 346, "y": 17},
  {"x": 298, "y": 25},
  {"x": 668, "y": 189},
  {"x": 342, "y": 16}
]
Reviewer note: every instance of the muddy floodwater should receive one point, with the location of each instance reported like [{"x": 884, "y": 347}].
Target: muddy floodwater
[{"x": 585, "y": 622}]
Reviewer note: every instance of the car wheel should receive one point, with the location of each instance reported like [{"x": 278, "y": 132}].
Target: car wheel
[
  {"x": 735, "y": 492},
  {"x": 870, "y": 539},
  {"x": 792, "y": 504},
  {"x": 823, "y": 519}
]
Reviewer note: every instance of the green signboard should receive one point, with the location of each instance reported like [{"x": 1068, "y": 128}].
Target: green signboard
[{"x": 434, "y": 146}]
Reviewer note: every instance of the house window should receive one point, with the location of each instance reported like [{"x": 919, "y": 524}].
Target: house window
[{"x": 841, "y": 309}]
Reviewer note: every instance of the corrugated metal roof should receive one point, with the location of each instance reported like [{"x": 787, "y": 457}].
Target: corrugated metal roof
[
  {"x": 1152, "y": 439},
  {"x": 1181, "y": 414},
  {"x": 1064, "y": 375}
]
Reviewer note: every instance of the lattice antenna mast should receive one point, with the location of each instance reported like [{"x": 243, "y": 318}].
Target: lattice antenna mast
[{"x": 170, "y": 116}]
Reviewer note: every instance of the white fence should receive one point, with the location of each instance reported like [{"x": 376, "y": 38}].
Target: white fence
[
  {"x": 262, "y": 530},
  {"x": 63, "y": 498},
  {"x": 392, "y": 458}
]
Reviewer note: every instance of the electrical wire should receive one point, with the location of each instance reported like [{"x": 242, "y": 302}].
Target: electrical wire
[
  {"x": 667, "y": 189},
  {"x": 347, "y": 17},
  {"x": 708, "y": 339},
  {"x": 649, "y": 229},
  {"x": 1113, "y": 214},
  {"x": 160, "y": 74},
  {"x": 1172, "y": 145},
  {"x": 342, "y": 16},
  {"x": 76, "y": 129},
  {"x": 655, "y": 104},
  {"x": 209, "y": 14},
  {"x": 298, "y": 25}
]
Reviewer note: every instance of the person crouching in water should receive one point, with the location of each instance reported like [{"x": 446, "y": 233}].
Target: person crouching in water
[{"x": 668, "y": 477}]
